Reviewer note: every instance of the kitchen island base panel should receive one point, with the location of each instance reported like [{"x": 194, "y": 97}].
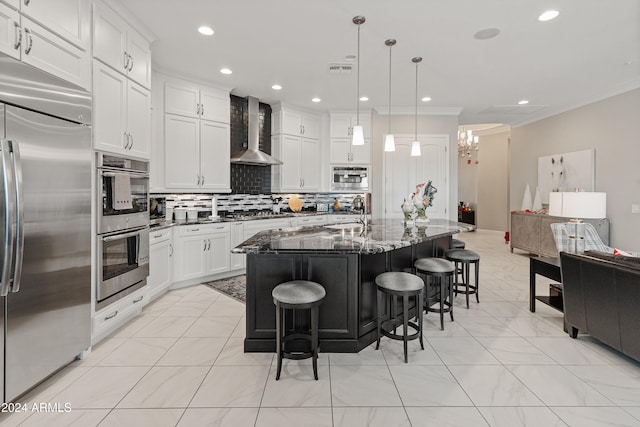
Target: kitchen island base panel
[{"x": 348, "y": 316}]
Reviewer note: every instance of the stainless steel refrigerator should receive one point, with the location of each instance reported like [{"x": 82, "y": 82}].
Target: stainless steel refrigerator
[{"x": 45, "y": 225}]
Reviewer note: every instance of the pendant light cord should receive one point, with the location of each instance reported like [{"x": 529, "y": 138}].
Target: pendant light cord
[
  {"x": 416, "y": 117},
  {"x": 358, "y": 84},
  {"x": 390, "y": 47}
]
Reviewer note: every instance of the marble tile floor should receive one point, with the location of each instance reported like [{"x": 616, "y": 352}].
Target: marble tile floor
[{"x": 181, "y": 364}]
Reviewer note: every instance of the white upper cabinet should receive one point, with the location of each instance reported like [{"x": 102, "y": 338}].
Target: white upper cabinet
[
  {"x": 31, "y": 42},
  {"x": 121, "y": 113},
  {"x": 68, "y": 19},
  {"x": 341, "y": 132},
  {"x": 193, "y": 101},
  {"x": 120, "y": 46},
  {"x": 291, "y": 121},
  {"x": 300, "y": 169},
  {"x": 342, "y": 124}
]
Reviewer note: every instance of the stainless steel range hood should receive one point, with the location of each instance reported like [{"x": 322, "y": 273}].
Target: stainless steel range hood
[{"x": 252, "y": 155}]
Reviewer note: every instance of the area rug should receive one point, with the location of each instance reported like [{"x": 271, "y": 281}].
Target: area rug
[{"x": 235, "y": 287}]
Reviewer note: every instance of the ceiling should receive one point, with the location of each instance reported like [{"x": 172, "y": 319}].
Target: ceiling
[{"x": 589, "y": 52}]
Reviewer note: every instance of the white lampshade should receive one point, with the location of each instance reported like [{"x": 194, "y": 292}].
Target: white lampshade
[
  {"x": 415, "y": 149},
  {"x": 578, "y": 204},
  {"x": 358, "y": 135},
  {"x": 389, "y": 143}
]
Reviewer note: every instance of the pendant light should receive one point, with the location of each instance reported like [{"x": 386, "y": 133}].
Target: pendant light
[
  {"x": 358, "y": 134},
  {"x": 389, "y": 141},
  {"x": 415, "y": 145}
]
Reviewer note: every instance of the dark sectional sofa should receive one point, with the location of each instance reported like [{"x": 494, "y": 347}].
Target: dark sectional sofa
[{"x": 601, "y": 295}]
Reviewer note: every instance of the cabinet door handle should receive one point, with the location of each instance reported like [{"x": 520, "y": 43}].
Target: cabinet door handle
[
  {"x": 125, "y": 141},
  {"x": 197, "y": 109},
  {"x": 111, "y": 316},
  {"x": 18, "y": 32},
  {"x": 130, "y": 63},
  {"x": 202, "y": 109},
  {"x": 137, "y": 300},
  {"x": 202, "y": 179},
  {"x": 171, "y": 247},
  {"x": 198, "y": 180},
  {"x": 204, "y": 248},
  {"x": 156, "y": 236},
  {"x": 131, "y": 142},
  {"x": 29, "y": 41},
  {"x": 208, "y": 244},
  {"x": 125, "y": 59}
]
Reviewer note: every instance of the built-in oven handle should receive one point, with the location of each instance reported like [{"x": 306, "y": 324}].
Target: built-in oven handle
[
  {"x": 9, "y": 217},
  {"x": 121, "y": 236},
  {"x": 113, "y": 174},
  {"x": 17, "y": 170}
]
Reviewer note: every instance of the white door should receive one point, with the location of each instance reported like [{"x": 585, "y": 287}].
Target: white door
[
  {"x": 67, "y": 18},
  {"x": 139, "y": 67},
  {"x": 182, "y": 152},
  {"x": 215, "y": 106},
  {"x": 218, "y": 251},
  {"x": 190, "y": 257},
  {"x": 109, "y": 109},
  {"x": 109, "y": 37},
  {"x": 310, "y": 164},
  {"x": 237, "y": 261},
  {"x": 215, "y": 147},
  {"x": 182, "y": 100},
  {"x": 139, "y": 120},
  {"x": 403, "y": 172},
  {"x": 291, "y": 174},
  {"x": 9, "y": 32}
]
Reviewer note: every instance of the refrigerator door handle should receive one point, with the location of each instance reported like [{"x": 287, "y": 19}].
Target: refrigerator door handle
[
  {"x": 17, "y": 170},
  {"x": 9, "y": 213}
]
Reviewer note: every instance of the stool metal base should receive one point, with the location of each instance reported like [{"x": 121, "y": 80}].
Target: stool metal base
[
  {"x": 465, "y": 287},
  {"x": 392, "y": 323},
  {"x": 446, "y": 303}
]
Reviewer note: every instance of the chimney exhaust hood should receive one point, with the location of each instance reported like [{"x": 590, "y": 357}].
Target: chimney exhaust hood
[{"x": 252, "y": 155}]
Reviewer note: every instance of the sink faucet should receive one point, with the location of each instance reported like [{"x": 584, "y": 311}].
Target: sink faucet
[{"x": 363, "y": 212}]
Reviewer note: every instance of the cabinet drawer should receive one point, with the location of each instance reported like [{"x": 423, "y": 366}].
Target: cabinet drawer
[
  {"x": 159, "y": 236},
  {"x": 115, "y": 315},
  {"x": 196, "y": 229}
]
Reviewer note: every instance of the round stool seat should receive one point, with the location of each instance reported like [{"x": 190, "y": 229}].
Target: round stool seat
[
  {"x": 298, "y": 292},
  {"x": 434, "y": 265},
  {"x": 462, "y": 255},
  {"x": 398, "y": 281},
  {"x": 457, "y": 244}
]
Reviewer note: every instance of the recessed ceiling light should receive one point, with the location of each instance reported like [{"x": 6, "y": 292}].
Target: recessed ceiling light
[
  {"x": 523, "y": 102},
  {"x": 426, "y": 99},
  {"x": 276, "y": 87},
  {"x": 487, "y": 33},
  {"x": 364, "y": 98},
  {"x": 205, "y": 31},
  {"x": 226, "y": 71},
  {"x": 548, "y": 15},
  {"x": 316, "y": 99}
]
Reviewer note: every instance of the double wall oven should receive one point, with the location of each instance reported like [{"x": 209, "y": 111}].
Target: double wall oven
[{"x": 122, "y": 226}]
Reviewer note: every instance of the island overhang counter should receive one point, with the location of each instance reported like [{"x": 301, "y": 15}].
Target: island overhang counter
[{"x": 345, "y": 259}]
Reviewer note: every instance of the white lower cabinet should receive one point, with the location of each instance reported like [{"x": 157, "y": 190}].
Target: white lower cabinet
[
  {"x": 202, "y": 250},
  {"x": 254, "y": 227},
  {"x": 110, "y": 318},
  {"x": 237, "y": 261},
  {"x": 160, "y": 262}
]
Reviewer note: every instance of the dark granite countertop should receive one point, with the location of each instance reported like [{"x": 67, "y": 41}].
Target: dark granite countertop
[{"x": 382, "y": 235}]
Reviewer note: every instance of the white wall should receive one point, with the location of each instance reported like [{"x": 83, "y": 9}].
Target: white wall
[
  {"x": 405, "y": 124},
  {"x": 612, "y": 127}
]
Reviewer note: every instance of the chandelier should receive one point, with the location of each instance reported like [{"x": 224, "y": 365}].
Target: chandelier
[{"x": 467, "y": 144}]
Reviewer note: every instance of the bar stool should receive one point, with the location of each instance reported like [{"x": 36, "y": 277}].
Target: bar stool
[
  {"x": 390, "y": 286},
  {"x": 297, "y": 295},
  {"x": 442, "y": 270},
  {"x": 466, "y": 257},
  {"x": 457, "y": 244}
]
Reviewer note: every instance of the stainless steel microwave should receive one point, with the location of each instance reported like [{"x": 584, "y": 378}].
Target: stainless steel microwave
[{"x": 349, "y": 178}]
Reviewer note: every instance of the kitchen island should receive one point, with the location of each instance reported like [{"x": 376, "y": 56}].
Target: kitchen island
[{"x": 345, "y": 259}]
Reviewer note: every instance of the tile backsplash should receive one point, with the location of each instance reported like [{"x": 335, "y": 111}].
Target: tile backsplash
[
  {"x": 249, "y": 179},
  {"x": 234, "y": 203}
]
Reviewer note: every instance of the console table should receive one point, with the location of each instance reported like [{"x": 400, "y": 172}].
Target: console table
[{"x": 531, "y": 232}]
